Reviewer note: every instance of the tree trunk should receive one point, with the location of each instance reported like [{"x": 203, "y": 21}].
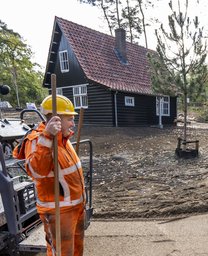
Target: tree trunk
[
  {"x": 117, "y": 12},
  {"x": 130, "y": 24},
  {"x": 143, "y": 22},
  {"x": 106, "y": 17},
  {"x": 14, "y": 74}
]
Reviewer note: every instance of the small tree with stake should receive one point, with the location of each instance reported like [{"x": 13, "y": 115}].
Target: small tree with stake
[{"x": 179, "y": 65}]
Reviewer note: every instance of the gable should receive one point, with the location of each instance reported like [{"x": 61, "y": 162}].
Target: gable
[{"x": 74, "y": 74}]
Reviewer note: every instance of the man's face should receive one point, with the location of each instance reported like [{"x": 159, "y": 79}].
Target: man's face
[{"x": 67, "y": 124}]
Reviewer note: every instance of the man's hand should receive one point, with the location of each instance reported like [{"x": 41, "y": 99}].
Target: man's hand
[{"x": 53, "y": 126}]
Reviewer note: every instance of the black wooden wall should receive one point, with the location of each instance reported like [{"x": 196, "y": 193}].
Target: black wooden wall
[
  {"x": 140, "y": 114},
  {"x": 144, "y": 111},
  {"x": 100, "y": 111}
]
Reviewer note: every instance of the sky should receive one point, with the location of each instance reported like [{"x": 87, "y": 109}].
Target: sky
[{"x": 33, "y": 20}]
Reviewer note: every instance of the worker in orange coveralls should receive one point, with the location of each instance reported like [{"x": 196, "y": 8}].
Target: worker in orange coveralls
[{"x": 37, "y": 149}]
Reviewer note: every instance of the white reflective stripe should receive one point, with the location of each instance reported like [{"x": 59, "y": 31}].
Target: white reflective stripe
[
  {"x": 64, "y": 184},
  {"x": 66, "y": 202},
  {"x": 45, "y": 141},
  {"x": 51, "y": 174},
  {"x": 71, "y": 169},
  {"x": 33, "y": 147},
  {"x": 34, "y": 174},
  {"x": 62, "y": 172}
]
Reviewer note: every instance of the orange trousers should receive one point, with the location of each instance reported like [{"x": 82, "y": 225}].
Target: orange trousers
[{"x": 72, "y": 232}]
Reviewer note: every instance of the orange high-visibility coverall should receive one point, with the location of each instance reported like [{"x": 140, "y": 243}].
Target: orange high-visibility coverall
[{"x": 37, "y": 150}]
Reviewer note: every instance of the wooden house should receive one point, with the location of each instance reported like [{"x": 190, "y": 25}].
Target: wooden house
[{"x": 106, "y": 75}]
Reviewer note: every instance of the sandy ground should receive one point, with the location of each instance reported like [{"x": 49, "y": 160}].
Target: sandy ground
[{"x": 137, "y": 174}]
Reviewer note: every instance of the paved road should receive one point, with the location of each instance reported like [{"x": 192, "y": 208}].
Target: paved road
[{"x": 185, "y": 237}]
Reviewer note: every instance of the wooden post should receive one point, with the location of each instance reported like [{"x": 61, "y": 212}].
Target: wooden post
[
  {"x": 81, "y": 115},
  {"x": 56, "y": 174}
]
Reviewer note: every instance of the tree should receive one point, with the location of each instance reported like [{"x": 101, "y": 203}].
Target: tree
[
  {"x": 144, "y": 5},
  {"x": 119, "y": 14},
  {"x": 132, "y": 22},
  {"x": 128, "y": 14},
  {"x": 16, "y": 68},
  {"x": 179, "y": 67},
  {"x": 105, "y": 9}
]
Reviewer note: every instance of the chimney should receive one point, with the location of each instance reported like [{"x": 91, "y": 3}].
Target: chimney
[{"x": 120, "y": 44}]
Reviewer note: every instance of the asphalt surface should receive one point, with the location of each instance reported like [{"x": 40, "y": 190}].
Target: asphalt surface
[
  {"x": 184, "y": 237},
  {"x": 179, "y": 237}
]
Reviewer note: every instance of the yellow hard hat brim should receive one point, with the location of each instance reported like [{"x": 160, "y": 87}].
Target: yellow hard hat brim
[{"x": 67, "y": 113}]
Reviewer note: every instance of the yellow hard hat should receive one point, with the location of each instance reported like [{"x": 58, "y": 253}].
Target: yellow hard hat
[{"x": 63, "y": 104}]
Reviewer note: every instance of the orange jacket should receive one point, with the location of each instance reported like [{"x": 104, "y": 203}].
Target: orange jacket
[{"x": 37, "y": 151}]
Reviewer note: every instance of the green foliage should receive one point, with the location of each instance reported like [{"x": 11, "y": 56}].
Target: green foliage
[
  {"x": 131, "y": 22},
  {"x": 127, "y": 14},
  {"x": 17, "y": 69},
  {"x": 200, "y": 112},
  {"x": 180, "y": 63},
  {"x": 179, "y": 66},
  {"x": 203, "y": 117}
]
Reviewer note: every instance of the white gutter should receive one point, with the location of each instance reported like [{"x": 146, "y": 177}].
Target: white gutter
[{"x": 115, "y": 109}]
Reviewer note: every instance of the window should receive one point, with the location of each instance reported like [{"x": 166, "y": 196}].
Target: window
[
  {"x": 129, "y": 101},
  {"x": 80, "y": 96},
  {"x": 59, "y": 91},
  {"x": 165, "y": 105},
  {"x": 64, "y": 61}
]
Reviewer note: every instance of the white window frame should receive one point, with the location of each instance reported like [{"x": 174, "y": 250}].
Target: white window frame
[
  {"x": 64, "y": 61},
  {"x": 80, "y": 96},
  {"x": 59, "y": 91},
  {"x": 165, "y": 105},
  {"x": 129, "y": 101}
]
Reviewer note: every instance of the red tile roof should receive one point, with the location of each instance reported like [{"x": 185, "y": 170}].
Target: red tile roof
[{"x": 95, "y": 53}]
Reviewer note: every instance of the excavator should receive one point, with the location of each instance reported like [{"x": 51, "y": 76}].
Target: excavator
[{"x": 20, "y": 225}]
